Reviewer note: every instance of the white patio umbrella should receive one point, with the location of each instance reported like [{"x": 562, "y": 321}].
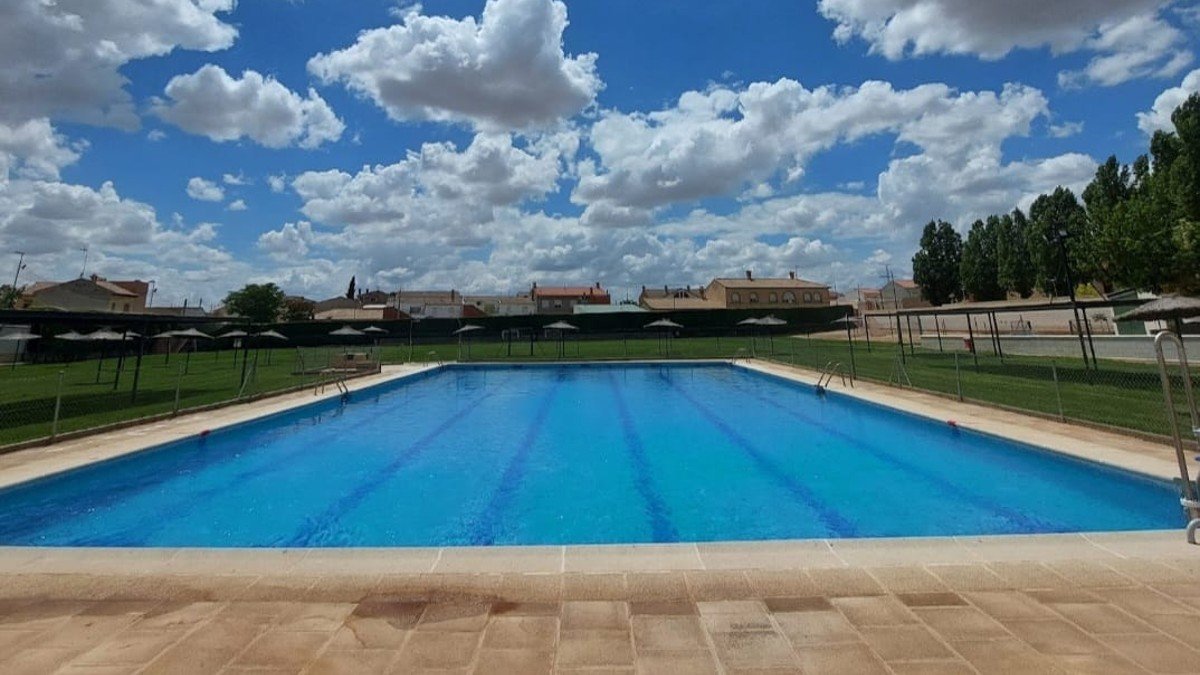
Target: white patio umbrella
[
  {"x": 270, "y": 335},
  {"x": 102, "y": 336},
  {"x": 769, "y": 321},
  {"x": 191, "y": 334},
  {"x": 347, "y": 331},
  {"x": 667, "y": 326},
  {"x": 467, "y": 329},
  {"x": 561, "y": 326},
  {"x": 19, "y": 337}
]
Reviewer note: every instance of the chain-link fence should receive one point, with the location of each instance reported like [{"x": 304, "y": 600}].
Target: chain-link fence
[
  {"x": 50, "y": 400},
  {"x": 45, "y": 400},
  {"x": 1125, "y": 395}
]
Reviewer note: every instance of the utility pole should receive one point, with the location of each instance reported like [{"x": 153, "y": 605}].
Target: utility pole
[
  {"x": 20, "y": 266},
  {"x": 83, "y": 270}
]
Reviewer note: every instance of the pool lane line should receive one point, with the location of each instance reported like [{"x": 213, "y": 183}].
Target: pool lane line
[
  {"x": 162, "y": 517},
  {"x": 1027, "y": 524},
  {"x": 835, "y": 523},
  {"x": 320, "y": 527},
  {"x": 661, "y": 527},
  {"x": 484, "y": 529}
]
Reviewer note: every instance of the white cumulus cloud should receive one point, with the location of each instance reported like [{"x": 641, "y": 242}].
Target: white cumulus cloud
[
  {"x": 62, "y": 59},
  {"x": 212, "y": 103},
  {"x": 1130, "y": 38},
  {"x": 1158, "y": 118},
  {"x": 204, "y": 190},
  {"x": 507, "y": 71}
]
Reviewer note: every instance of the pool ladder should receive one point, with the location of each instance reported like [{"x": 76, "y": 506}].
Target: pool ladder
[
  {"x": 830, "y": 370},
  {"x": 1189, "y": 499},
  {"x": 339, "y": 382}
]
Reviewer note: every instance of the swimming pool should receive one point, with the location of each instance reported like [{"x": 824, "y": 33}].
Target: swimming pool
[{"x": 575, "y": 454}]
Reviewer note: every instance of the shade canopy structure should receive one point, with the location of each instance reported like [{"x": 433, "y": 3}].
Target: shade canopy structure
[
  {"x": 845, "y": 321},
  {"x": 750, "y": 322},
  {"x": 1166, "y": 307},
  {"x": 1170, "y": 307},
  {"x": 166, "y": 334},
  {"x": 271, "y": 334},
  {"x": 467, "y": 329},
  {"x": 71, "y": 336},
  {"x": 20, "y": 337},
  {"x": 771, "y": 320},
  {"x": 233, "y": 334},
  {"x": 374, "y": 329},
  {"x": 347, "y": 331}
]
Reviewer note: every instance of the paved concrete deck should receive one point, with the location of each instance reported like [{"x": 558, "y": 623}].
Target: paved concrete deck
[{"x": 1127, "y": 603}]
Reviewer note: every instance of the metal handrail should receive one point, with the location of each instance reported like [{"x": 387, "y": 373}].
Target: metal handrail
[
  {"x": 1189, "y": 500},
  {"x": 827, "y": 373}
]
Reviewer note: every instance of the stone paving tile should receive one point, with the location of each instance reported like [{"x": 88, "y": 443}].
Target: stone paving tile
[
  {"x": 536, "y": 633},
  {"x": 781, "y": 583},
  {"x": 131, "y": 647},
  {"x": 351, "y": 662},
  {"x": 878, "y": 610},
  {"x": 908, "y": 579},
  {"x": 289, "y": 649},
  {"x": 514, "y": 662},
  {"x": 594, "y": 648},
  {"x": 595, "y": 614},
  {"x": 1055, "y": 637},
  {"x": 1101, "y": 619},
  {"x": 454, "y": 617},
  {"x": 1010, "y": 605},
  {"x": 1006, "y": 657},
  {"x": 1157, "y": 653},
  {"x": 676, "y": 663},
  {"x": 206, "y": 649},
  {"x": 844, "y": 658},
  {"x": 932, "y": 668},
  {"x": 961, "y": 623},
  {"x": 594, "y": 587},
  {"x": 905, "y": 643},
  {"x": 717, "y": 585},
  {"x": 816, "y": 627},
  {"x": 668, "y": 633},
  {"x": 437, "y": 649}
]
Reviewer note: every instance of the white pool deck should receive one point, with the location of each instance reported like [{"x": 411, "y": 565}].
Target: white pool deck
[{"x": 1095, "y": 445}]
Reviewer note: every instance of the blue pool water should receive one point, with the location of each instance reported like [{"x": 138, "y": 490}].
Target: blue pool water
[{"x": 578, "y": 454}]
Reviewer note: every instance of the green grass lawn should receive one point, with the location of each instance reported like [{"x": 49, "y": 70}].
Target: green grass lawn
[{"x": 1119, "y": 394}]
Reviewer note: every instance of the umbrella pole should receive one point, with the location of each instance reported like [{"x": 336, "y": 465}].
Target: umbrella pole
[
  {"x": 120, "y": 360},
  {"x": 137, "y": 369},
  {"x": 16, "y": 354},
  {"x": 187, "y": 362},
  {"x": 850, "y": 343}
]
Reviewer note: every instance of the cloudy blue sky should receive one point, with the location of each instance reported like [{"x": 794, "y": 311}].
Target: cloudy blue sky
[{"x": 484, "y": 145}]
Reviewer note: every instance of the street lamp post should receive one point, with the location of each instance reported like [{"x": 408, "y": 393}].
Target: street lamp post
[{"x": 1060, "y": 237}]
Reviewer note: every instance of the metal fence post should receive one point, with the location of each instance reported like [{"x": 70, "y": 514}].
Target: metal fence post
[
  {"x": 178, "y": 385},
  {"x": 957, "y": 377},
  {"x": 1057, "y": 393},
  {"x": 57, "y": 405}
]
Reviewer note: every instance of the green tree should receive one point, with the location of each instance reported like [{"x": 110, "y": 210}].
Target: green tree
[
  {"x": 1105, "y": 203},
  {"x": 979, "y": 268},
  {"x": 298, "y": 309},
  {"x": 9, "y": 296},
  {"x": 936, "y": 266},
  {"x": 1058, "y": 222},
  {"x": 350, "y": 290},
  {"x": 261, "y": 303},
  {"x": 1014, "y": 268}
]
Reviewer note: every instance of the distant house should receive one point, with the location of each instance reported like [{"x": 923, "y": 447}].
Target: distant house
[
  {"x": 901, "y": 294},
  {"x": 429, "y": 304},
  {"x": 751, "y": 293},
  {"x": 359, "y": 313},
  {"x": 562, "y": 299},
  {"x": 501, "y": 305},
  {"x": 668, "y": 299},
  {"x": 91, "y": 294}
]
